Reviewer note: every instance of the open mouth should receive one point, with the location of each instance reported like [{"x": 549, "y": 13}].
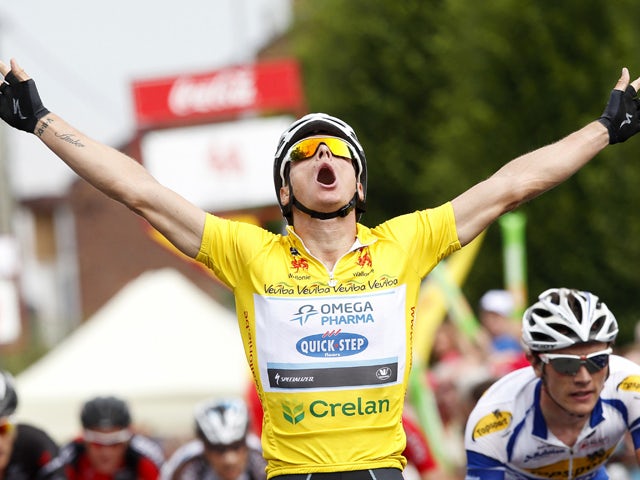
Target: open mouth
[{"x": 326, "y": 176}]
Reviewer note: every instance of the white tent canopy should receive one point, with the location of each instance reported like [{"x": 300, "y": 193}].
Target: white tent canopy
[{"x": 161, "y": 344}]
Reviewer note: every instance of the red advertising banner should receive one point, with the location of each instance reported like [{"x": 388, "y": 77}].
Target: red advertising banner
[{"x": 264, "y": 86}]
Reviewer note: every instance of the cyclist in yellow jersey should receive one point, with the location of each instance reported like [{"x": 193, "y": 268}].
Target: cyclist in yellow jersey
[{"x": 326, "y": 312}]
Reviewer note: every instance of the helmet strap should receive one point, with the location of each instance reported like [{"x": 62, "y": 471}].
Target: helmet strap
[{"x": 341, "y": 212}]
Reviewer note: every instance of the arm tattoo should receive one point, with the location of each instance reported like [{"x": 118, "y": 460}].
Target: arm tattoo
[
  {"x": 69, "y": 138},
  {"x": 44, "y": 124},
  {"x": 65, "y": 137}
]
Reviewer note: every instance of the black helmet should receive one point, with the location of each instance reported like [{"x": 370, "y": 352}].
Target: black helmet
[
  {"x": 105, "y": 412},
  {"x": 222, "y": 422},
  {"x": 307, "y": 126},
  {"x": 8, "y": 396}
]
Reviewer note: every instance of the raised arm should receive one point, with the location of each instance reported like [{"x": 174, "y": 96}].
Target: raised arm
[
  {"x": 531, "y": 174},
  {"x": 115, "y": 174}
]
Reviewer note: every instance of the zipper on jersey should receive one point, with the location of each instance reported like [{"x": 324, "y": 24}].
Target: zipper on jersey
[{"x": 332, "y": 282}]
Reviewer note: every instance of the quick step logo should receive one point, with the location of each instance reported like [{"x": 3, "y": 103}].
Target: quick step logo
[{"x": 332, "y": 344}]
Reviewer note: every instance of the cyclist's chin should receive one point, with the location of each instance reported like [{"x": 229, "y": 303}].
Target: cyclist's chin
[{"x": 582, "y": 407}]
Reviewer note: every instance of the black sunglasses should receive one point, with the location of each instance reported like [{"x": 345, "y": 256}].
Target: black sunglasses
[{"x": 570, "y": 364}]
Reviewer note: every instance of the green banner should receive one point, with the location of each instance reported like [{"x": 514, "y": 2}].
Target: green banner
[{"x": 513, "y": 227}]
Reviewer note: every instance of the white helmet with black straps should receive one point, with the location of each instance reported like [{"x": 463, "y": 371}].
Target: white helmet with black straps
[
  {"x": 307, "y": 126},
  {"x": 563, "y": 317},
  {"x": 222, "y": 421}
]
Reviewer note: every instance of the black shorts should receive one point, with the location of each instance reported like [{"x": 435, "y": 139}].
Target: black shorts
[{"x": 371, "y": 474}]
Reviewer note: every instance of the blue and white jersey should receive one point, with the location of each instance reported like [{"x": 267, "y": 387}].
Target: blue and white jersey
[{"x": 506, "y": 436}]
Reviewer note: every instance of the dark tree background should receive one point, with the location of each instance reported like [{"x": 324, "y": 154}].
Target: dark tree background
[{"x": 442, "y": 93}]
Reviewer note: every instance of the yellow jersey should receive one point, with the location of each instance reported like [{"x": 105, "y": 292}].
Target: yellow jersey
[{"x": 330, "y": 350}]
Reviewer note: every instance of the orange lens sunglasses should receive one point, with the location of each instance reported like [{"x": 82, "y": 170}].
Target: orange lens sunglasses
[{"x": 309, "y": 146}]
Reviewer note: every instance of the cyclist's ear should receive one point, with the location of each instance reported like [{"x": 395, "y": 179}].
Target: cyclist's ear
[{"x": 535, "y": 362}]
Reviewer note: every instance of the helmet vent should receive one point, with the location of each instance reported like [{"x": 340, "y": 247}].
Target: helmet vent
[
  {"x": 541, "y": 312},
  {"x": 541, "y": 337},
  {"x": 597, "y": 324},
  {"x": 575, "y": 306},
  {"x": 554, "y": 298},
  {"x": 561, "y": 329}
]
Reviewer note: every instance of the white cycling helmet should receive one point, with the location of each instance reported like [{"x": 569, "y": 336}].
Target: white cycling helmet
[
  {"x": 222, "y": 422},
  {"x": 563, "y": 317}
]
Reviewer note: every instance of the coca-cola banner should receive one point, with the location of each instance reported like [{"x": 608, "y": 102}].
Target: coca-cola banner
[
  {"x": 220, "y": 166},
  {"x": 265, "y": 86}
]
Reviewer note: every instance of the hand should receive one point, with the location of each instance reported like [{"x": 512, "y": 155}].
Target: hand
[
  {"x": 622, "y": 114},
  {"x": 20, "y": 104}
]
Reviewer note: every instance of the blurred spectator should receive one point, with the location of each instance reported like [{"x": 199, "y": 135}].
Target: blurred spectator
[
  {"x": 453, "y": 355},
  {"x": 418, "y": 452},
  {"x": 108, "y": 448},
  {"x": 456, "y": 365},
  {"x": 496, "y": 314},
  {"x": 225, "y": 448},
  {"x": 24, "y": 449}
]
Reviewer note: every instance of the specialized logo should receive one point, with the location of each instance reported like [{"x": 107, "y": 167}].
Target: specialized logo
[
  {"x": 293, "y": 379},
  {"x": 494, "y": 422},
  {"x": 335, "y": 343},
  {"x": 627, "y": 121},
  {"x": 16, "y": 109},
  {"x": 630, "y": 384},
  {"x": 293, "y": 413}
]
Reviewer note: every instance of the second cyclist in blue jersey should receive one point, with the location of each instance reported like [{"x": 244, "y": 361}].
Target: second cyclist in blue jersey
[{"x": 564, "y": 416}]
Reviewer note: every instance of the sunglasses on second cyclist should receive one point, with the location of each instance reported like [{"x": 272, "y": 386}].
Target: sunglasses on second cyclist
[
  {"x": 308, "y": 147},
  {"x": 570, "y": 364}
]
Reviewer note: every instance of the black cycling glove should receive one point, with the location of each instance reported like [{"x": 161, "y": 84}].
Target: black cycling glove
[
  {"x": 20, "y": 104},
  {"x": 622, "y": 116}
]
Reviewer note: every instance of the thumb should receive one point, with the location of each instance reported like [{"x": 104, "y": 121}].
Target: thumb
[
  {"x": 4, "y": 69},
  {"x": 623, "y": 81},
  {"x": 17, "y": 71}
]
